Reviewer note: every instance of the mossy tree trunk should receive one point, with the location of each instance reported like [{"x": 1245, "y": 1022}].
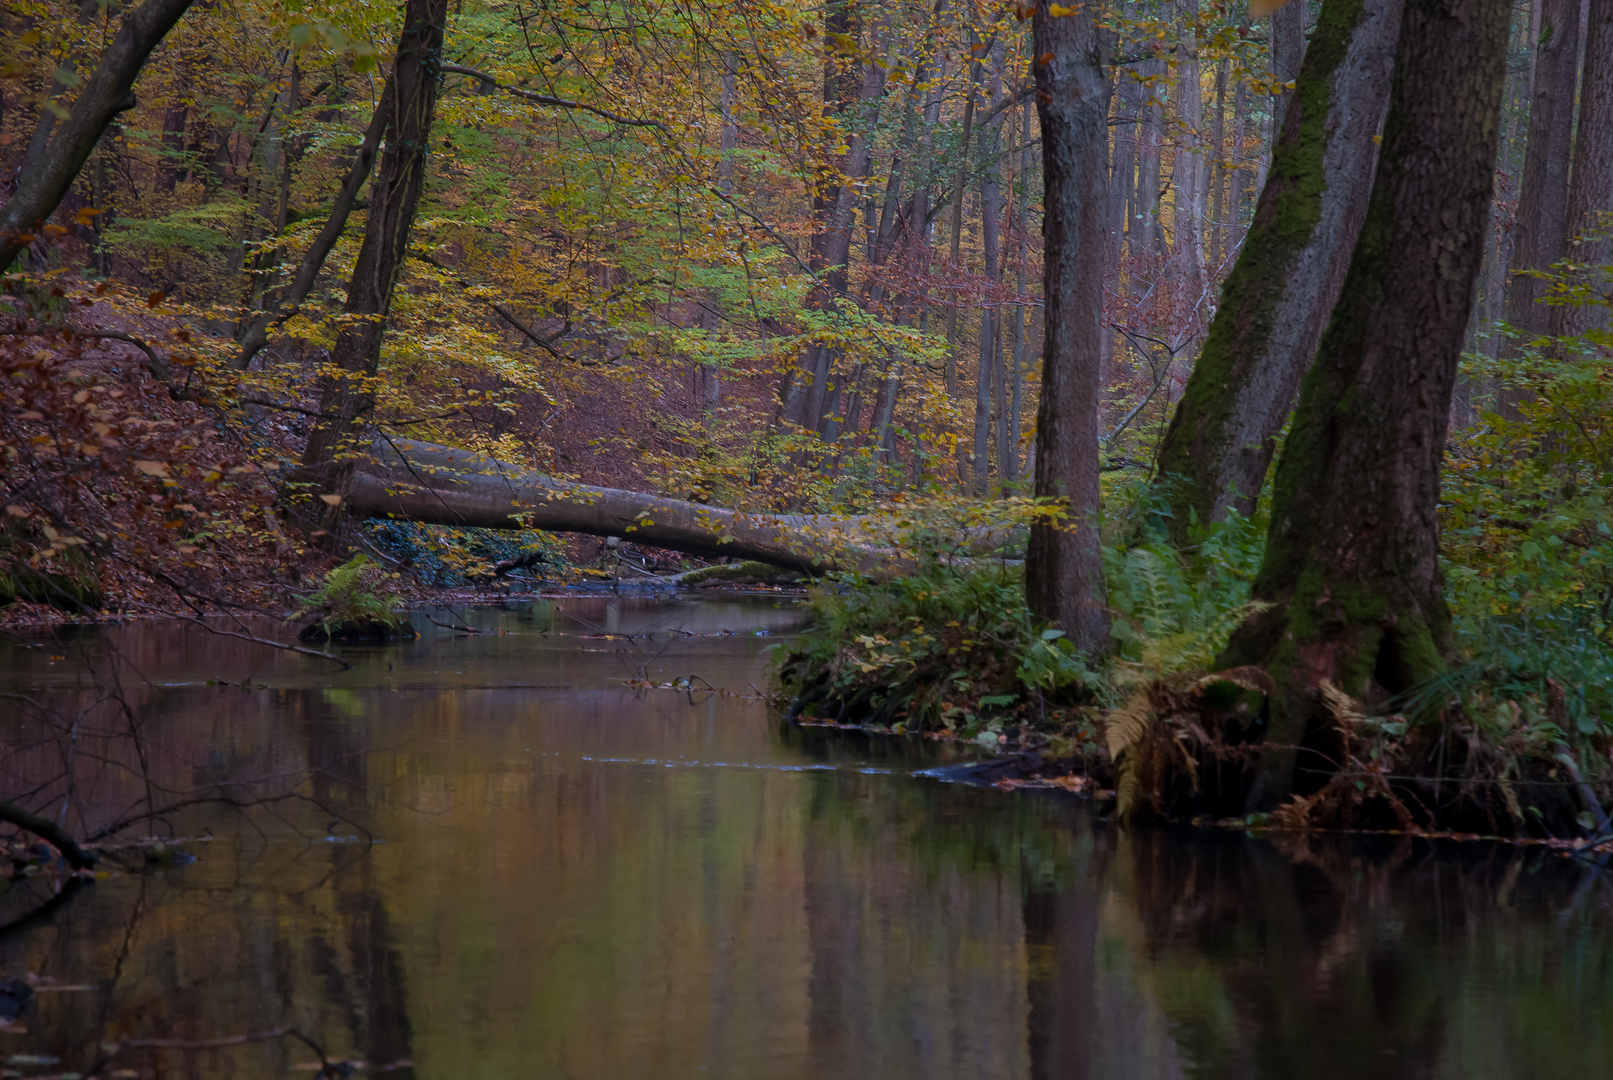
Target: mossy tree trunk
[
  {"x": 1063, "y": 563},
  {"x": 348, "y": 397},
  {"x": 1287, "y": 277},
  {"x": 1352, "y": 559}
]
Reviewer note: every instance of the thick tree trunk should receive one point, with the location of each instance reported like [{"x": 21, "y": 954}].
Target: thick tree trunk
[
  {"x": 1539, "y": 231},
  {"x": 1063, "y": 565},
  {"x": 394, "y": 198},
  {"x": 109, "y": 91},
  {"x": 1276, "y": 301},
  {"x": 426, "y": 482},
  {"x": 1590, "y": 195},
  {"x": 1351, "y": 567}
]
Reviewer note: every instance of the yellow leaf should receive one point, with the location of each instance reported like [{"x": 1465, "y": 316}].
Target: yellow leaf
[{"x": 1059, "y": 11}]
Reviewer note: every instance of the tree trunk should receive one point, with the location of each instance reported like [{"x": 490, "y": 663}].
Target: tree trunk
[
  {"x": 1287, "y": 56},
  {"x": 395, "y": 196},
  {"x": 1187, "y": 176},
  {"x": 1351, "y": 567},
  {"x": 255, "y": 334},
  {"x": 835, "y": 210},
  {"x": 1276, "y": 301},
  {"x": 990, "y": 218},
  {"x": 1538, "y": 234},
  {"x": 109, "y": 91},
  {"x": 959, "y": 185},
  {"x": 1590, "y": 195},
  {"x": 426, "y": 482},
  {"x": 1063, "y": 565}
]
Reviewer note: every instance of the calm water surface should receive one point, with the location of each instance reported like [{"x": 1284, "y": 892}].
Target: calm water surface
[{"x": 572, "y": 877}]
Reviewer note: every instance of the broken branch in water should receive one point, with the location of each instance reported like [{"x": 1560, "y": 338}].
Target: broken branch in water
[
  {"x": 266, "y": 641},
  {"x": 50, "y": 832}
]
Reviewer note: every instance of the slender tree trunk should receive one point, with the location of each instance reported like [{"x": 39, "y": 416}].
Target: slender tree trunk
[
  {"x": 1063, "y": 565},
  {"x": 1590, "y": 196},
  {"x": 990, "y": 217},
  {"x": 1021, "y": 316},
  {"x": 255, "y": 334},
  {"x": 1351, "y": 566},
  {"x": 959, "y": 185},
  {"x": 1188, "y": 172},
  {"x": 1151, "y": 131},
  {"x": 346, "y": 399},
  {"x": 807, "y": 400},
  {"x": 708, "y": 374},
  {"x": 1218, "y": 169},
  {"x": 1277, "y": 299},
  {"x": 108, "y": 92},
  {"x": 1539, "y": 233}
]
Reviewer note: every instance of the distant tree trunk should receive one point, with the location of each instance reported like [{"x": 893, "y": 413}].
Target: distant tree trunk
[
  {"x": 1063, "y": 565},
  {"x": 1021, "y": 315},
  {"x": 1590, "y": 195},
  {"x": 1277, "y": 299},
  {"x": 708, "y": 375},
  {"x": 346, "y": 399},
  {"x": 959, "y": 185},
  {"x": 990, "y": 219},
  {"x": 1352, "y": 558},
  {"x": 1145, "y": 239},
  {"x": 254, "y": 334},
  {"x": 1218, "y": 170},
  {"x": 108, "y": 92},
  {"x": 1187, "y": 175},
  {"x": 807, "y": 398},
  {"x": 1539, "y": 233}
]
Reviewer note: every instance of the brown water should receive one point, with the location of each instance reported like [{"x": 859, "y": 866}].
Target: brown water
[{"x": 571, "y": 877}]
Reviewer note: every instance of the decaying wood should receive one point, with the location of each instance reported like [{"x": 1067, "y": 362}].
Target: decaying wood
[{"x": 440, "y": 485}]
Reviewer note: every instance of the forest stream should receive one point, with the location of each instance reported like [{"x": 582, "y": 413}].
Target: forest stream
[{"x": 547, "y": 850}]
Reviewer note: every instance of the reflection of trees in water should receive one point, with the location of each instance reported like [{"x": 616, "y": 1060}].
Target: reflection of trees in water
[
  {"x": 229, "y": 946},
  {"x": 1334, "y": 957}
]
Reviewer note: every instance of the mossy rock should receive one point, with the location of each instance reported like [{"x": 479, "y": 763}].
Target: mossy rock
[{"x": 358, "y": 630}]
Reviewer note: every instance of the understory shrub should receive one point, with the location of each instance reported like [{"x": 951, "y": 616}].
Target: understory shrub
[{"x": 359, "y": 599}]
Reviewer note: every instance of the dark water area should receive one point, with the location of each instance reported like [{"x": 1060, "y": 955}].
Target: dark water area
[{"x": 571, "y": 876}]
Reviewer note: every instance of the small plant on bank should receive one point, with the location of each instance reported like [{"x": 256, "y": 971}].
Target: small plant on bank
[{"x": 359, "y": 601}]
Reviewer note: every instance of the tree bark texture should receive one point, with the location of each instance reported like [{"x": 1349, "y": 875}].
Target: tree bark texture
[
  {"x": 1276, "y": 301},
  {"x": 1287, "y": 55},
  {"x": 395, "y": 196},
  {"x": 1063, "y": 565},
  {"x": 109, "y": 91},
  {"x": 1590, "y": 192},
  {"x": 1539, "y": 232},
  {"x": 1351, "y": 567}
]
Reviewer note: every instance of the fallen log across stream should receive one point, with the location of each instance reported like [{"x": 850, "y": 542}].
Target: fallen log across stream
[{"x": 435, "y": 484}]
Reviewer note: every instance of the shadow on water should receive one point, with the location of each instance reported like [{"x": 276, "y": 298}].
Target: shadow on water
[{"x": 574, "y": 877}]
